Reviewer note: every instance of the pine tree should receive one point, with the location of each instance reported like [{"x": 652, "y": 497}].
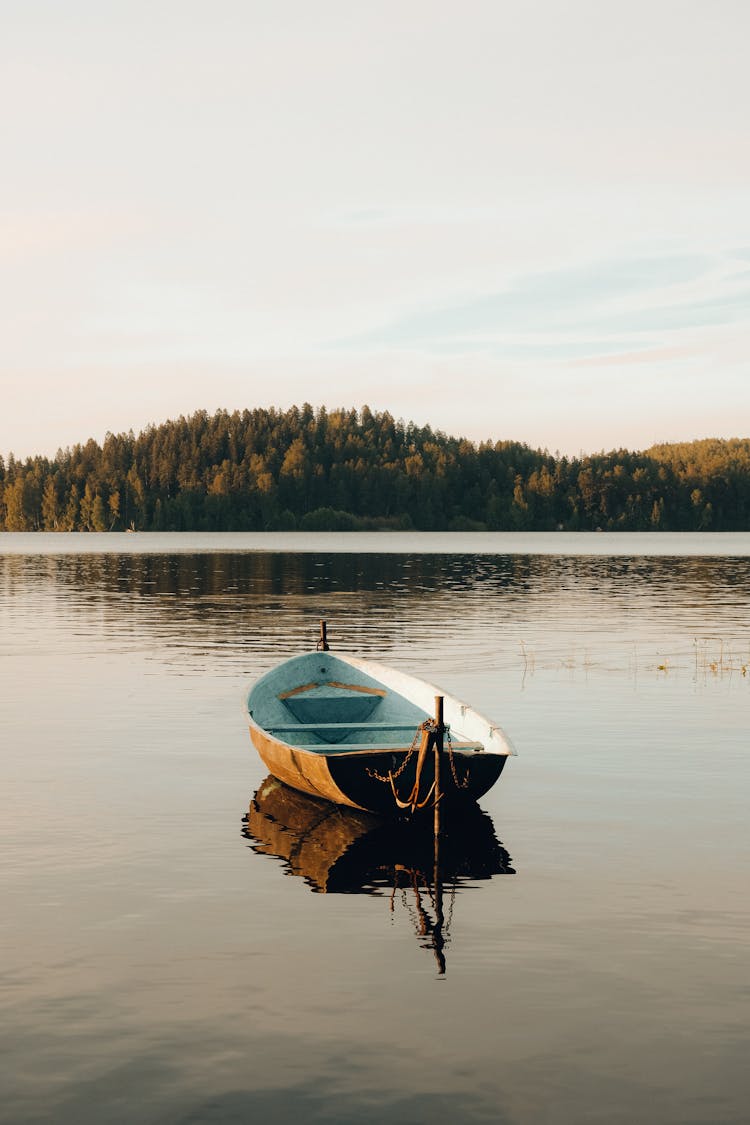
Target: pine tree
[{"x": 50, "y": 505}]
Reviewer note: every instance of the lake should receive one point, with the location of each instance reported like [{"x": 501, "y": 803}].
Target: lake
[{"x": 182, "y": 943}]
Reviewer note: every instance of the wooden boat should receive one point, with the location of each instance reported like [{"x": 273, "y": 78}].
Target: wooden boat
[{"x": 359, "y": 733}]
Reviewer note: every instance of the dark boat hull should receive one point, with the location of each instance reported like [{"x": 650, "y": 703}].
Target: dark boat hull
[{"x": 355, "y": 779}]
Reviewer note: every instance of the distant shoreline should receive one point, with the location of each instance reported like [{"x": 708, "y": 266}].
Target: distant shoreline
[{"x": 581, "y": 544}]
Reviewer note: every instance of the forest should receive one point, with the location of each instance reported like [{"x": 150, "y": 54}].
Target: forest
[{"x": 344, "y": 470}]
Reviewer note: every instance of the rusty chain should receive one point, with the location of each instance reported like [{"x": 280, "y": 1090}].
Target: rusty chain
[
  {"x": 387, "y": 778},
  {"x": 459, "y": 784}
]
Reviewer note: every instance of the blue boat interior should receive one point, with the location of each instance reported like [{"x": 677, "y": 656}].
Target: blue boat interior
[{"x": 319, "y": 702}]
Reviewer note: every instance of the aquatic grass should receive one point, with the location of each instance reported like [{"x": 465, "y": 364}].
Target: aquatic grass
[{"x": 708, "y": 658}]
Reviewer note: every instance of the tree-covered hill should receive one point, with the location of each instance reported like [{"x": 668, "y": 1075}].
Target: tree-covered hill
[{"x": 348, "y": 469}]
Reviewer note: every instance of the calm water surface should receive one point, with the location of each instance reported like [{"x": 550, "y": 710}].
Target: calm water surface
[{"x": 183, "y": 943}]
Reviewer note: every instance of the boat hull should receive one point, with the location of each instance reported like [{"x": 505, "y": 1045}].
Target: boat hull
[
  {"x": 310, "y": 773},
  {"x": 355, "y": 779}
]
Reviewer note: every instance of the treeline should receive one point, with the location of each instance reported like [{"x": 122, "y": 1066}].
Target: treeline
[{"x": 345, "y": 470}]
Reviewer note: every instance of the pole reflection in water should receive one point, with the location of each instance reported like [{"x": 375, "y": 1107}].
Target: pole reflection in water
[{"x": 339, "y": 850}]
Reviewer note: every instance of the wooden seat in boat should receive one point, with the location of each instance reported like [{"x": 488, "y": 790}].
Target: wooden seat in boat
[{"x": 350, "y": 703}]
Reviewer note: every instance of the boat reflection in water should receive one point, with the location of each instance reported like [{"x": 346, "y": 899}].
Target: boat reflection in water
[{"x": 339, "y": 850}]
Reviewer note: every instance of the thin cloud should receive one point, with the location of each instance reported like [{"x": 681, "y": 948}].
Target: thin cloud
[{"x": 588, "y": 310}]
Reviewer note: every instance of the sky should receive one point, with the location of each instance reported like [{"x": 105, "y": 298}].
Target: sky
[{"x": 510, "y": 221}]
